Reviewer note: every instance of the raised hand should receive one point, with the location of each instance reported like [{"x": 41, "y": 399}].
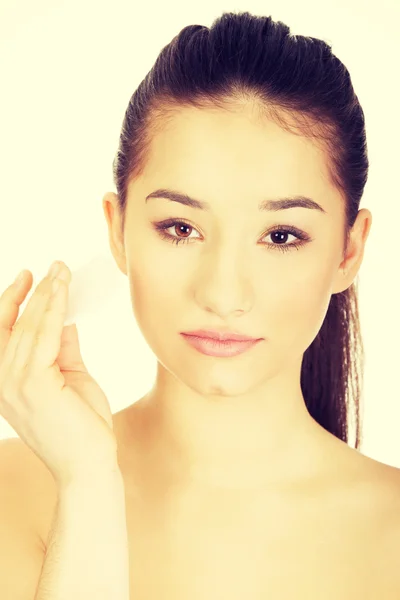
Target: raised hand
[{"x": 46, "y": 392}]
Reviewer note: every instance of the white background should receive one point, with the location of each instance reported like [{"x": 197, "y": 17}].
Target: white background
[{"x": 68, "y": 70}]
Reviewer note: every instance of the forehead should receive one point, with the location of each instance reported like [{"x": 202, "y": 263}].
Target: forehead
[{"x": 216, "y": 154}]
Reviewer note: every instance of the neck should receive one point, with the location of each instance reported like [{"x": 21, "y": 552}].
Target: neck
[{"x": 261, "y": 438}]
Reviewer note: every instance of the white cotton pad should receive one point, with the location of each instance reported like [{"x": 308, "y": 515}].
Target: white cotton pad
[{"x": 92, "y": 285}]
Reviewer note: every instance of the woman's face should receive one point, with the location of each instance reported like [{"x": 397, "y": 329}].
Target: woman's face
[{"x": 229, "y": 269}]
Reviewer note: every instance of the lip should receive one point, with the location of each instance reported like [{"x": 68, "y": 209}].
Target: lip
[
  {"x": 220, "y": 335},
  {"x": 213, "y": 347}
]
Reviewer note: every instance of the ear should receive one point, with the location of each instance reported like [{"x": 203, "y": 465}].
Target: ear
[{"x": 351, "y": 263}]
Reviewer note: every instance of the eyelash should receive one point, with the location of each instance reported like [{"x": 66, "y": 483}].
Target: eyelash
[{"x": 162, "y": 226}]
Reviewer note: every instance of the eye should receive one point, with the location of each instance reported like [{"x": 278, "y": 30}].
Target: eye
[
  {"x": 170, "y": 224},
  {"x": 285, "y": 230}
]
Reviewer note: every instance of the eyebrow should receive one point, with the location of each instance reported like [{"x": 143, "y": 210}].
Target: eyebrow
[{"x": 270, "y": 205}]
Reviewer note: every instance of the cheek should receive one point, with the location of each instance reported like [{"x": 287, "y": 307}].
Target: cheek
[
  {"x": 155, "y": 291},
  {"x": 157, "y": 307},
  {"x": 298, "y": 306}
]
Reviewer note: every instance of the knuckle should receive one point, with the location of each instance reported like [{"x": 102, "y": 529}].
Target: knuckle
[
  {"x": 27, "y": 383},
  {"x": 44, "y": 287},
  {"x": 17, "y": 327},
  {"x": 25, "y": 327},
  {"x": 17, "y": 384},
  {"x": 9, "y": 387},
  {"x": 27, "y": 387}
]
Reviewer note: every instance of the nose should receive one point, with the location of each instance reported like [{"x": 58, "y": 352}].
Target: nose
[{"x": 224, "y": 286}]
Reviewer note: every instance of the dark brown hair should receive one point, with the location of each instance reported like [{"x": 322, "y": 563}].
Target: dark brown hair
[{"x": 297, "y": 81}]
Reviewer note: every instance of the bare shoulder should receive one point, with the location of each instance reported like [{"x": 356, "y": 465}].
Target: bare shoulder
[
  {"x": 388, "y": 545},
  {"x": 30, "y": 482},
  {"x": 379, "y": 500},
  {"x": 377, "y": 485},
  {"x": 388, "y": 485},
  {"x": 386, "y": 481}
]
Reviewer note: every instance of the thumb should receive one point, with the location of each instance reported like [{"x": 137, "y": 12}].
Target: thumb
[{"x": 69, "y": 358}]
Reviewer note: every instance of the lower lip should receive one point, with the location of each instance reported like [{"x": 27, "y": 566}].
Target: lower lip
[{"x": 212, "y": 347}]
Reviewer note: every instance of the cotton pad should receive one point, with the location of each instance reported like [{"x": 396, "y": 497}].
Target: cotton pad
[{"x": 92, "y": 285}]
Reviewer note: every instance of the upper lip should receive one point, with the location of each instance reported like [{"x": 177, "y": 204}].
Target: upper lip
[{"x": 222, "y": 335}]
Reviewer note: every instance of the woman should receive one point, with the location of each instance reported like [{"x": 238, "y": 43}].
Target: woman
[{"x": 241, "y": 165}]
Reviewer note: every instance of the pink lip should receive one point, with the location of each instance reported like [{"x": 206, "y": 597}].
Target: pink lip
[
  {"x": 213, "y": 347},
  {"x": 222, "y": 336}
]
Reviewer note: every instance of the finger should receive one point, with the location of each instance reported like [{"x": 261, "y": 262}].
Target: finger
[
  {"x": 10, "y": 302},
  {"x": 48, "y": 343},
  {"x": 70, "y": 357},
  {"x": 25, "y": 331},
  {"x": 40, "y": 339}
]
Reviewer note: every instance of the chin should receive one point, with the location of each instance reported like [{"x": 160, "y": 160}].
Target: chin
[{"x": 223, "y": 387}]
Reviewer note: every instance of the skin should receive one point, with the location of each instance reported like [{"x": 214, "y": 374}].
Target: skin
[{"x": 241, "y": 422}]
